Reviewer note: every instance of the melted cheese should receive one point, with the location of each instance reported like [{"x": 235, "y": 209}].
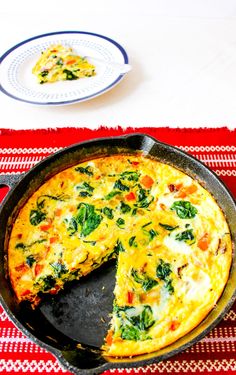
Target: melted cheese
[
  {"x": 169, "y": 236},
  {"x": 194, "y": 288},
  {"x": 177, "y": 246}
]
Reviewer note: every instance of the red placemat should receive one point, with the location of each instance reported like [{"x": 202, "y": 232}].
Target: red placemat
[{"x": 20, "y": 150}]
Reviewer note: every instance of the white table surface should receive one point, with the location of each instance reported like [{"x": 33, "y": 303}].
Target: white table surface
[{"x": 183, "y": 54}]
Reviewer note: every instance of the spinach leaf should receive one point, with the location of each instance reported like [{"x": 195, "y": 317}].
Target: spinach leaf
[
  {"x": 120, "y": 186},
  {"x": 86, "y": 189},
  {"x": 130, "y": 175},
  {"x": 144, "y": 199},
  {"x": 60, "y": 197},
  {"x": 147, "y": 283},
  {"x": 186, "y": 236},
  {"x": 169, "y": 286},
  {"x": 132, "y": 242},
  {"x": 59, "y": 61},
  {"x": 118, "y": 247},
  {"x": 112, "y": 194},
  {"x": 73, "y": 226},
  {"x": 125, "y": 208},
  {"x": 69, "y": 75},
  {"x": 40, "y": 203},
  {"x": 134, "y": 325},
  {"x": 151, "y": 232},
  {"x": 85, "y": 186},
  {"x": 142, "y": 194},
  {"x": 36, "y": 217},
  {"x": 120, "y": 223},
  {"x": 30, "y": 260},
  {"x": 46, "y": 283},
  {"x": 87, "y": 218},
  {"x": 184, "y": 209},
  {"x": 163, "y": 270},
  {"x": 44, "y": 73},
  {"x": 85, "y": 193},
  {"x": 58, "y": 268},
  {"x": 144, "y": 320},
  {"x": 108, "y": 212},
  {"x": 136, "y": 277},
  {"x": 23, "y": 246},
  {"x": 129, "y": 332},
  {"x": 87, "y": 170},
  {"x": 145, "y": 225},
  {"x": 168, "y": 227}
]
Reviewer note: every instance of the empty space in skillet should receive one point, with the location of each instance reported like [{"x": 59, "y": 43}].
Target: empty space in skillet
[{"x": 82, "y": 311}]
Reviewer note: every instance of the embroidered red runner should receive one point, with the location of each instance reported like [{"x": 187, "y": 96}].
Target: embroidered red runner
[{"x": 20, "y": 150}]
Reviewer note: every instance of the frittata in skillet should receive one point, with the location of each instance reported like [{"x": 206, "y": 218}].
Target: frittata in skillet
[
  {"x": 60, "y": 63},
  {"x": 169, "y": 236}
]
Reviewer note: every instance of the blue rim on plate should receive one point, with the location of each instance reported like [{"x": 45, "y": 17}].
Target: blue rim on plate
[{"x": 76, "y": 100}]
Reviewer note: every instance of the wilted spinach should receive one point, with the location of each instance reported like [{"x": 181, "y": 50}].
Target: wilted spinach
[
  {"x": 45, "y": 283},
  {"x": 30, "y": 260},
  {"x": 85, "y": 189},
  {"x": 132, "y": 242},
  {"x": 58, "y": 268},
  {"x": 186, "y": 236},
  {"x": 120, "y": 223},
  {"x": 168, "y": 227},
  {"x": 21, "y": 245},
  {"x": 125, "y": 208},
  {"x": 112, "y": 194},
  {"x": 108, "y": 212},
  {"x": 184, "y": 209},
  {"x": 135, "y": 325},
  {"x": 85, "y": 170},
  {"x": 163, "y": 272},
  {"x": 147, "y": 282},
  {"x": 118, "y": 247},
  {"x": 130, "y": 175},
  {"x": 36, "y": 217},
  {"x": 86, "y": 220},
  {"x": 39, "y": 214},
  {"x": 120, "y": 186},
  {"x": 144, "y": 199}
]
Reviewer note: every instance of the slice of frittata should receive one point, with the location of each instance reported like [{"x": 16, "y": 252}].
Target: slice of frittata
[{"x": 60, "y": 63}]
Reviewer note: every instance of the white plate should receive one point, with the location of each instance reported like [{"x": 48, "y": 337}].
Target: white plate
[{"x": 18, "y": 81}]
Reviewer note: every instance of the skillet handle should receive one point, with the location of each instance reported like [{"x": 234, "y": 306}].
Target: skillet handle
[{"x": 10, "y": 180}]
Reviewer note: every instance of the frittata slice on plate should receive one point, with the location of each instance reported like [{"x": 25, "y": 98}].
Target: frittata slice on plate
[{"x": 60, "y": 63}]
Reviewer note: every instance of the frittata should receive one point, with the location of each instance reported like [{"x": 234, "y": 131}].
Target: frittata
[
  {"x": 170, "y": 239},
  {"x": 60, "y": 63}
]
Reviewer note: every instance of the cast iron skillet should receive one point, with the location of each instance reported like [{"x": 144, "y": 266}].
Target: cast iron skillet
[{"x": 80, "y": 313}]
